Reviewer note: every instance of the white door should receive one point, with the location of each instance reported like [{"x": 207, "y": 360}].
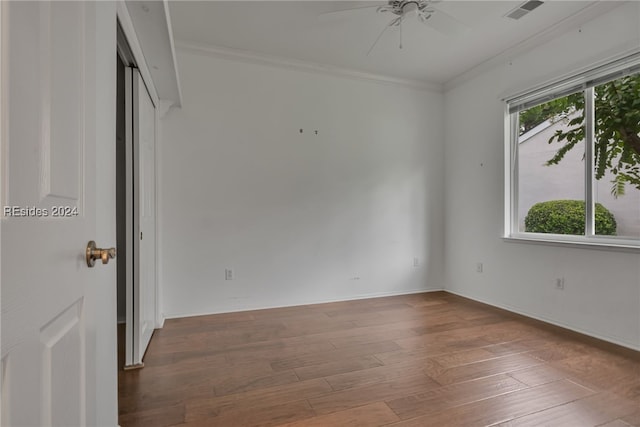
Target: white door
[
  {"x": 141, "y": 313},
  {"x": 53, "y": 113}
]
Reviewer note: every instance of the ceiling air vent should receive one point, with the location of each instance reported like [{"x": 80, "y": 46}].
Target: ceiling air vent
[{"x": 523, "y": 9}]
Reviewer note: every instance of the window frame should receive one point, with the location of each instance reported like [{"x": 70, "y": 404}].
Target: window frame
[{"x": 584, "y": 82}]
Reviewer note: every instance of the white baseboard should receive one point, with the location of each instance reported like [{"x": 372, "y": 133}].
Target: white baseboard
[
  {"x": 354, "y": 298},
  {"x": 515, "y": 310},
  {"x": 160, "y": 321}
]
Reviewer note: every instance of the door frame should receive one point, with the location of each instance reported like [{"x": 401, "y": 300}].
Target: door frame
[
  {"x": 162, "y": 108},
  {"x": 135, "y": 57},
  {"x": 3, "y": 169}
]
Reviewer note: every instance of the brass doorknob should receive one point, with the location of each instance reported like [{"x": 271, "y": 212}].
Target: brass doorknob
[{"x": 94, "y": 253}]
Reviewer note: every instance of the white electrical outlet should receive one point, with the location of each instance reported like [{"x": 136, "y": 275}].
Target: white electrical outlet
[
  {"x": 560, "y": 283},
  {"x": 416, "y": 262},
  {"x": 479, "y": 267},
  {"x": 228, "y": 274}
]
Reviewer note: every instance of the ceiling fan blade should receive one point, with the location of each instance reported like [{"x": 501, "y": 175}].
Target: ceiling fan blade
[
  {"x": 343, "y": 13},
  {"x": 394, "y": 22},
  {"x": 444, "y": 23}
]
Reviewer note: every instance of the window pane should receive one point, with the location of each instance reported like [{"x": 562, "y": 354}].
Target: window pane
[
  {"x": 551, "y": 167},
  {"x": 617, "y": 157}
]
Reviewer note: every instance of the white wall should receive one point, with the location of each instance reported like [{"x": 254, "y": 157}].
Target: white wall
[
  {"x": 602, "y": 288},
  {"x": 300, "y": 218}
]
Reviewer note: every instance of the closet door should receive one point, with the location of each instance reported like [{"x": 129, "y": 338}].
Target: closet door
[{"x": 141, "y": 290}]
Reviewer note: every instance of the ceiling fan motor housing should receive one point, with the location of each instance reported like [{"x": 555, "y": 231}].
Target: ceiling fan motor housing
[{"x": 400, "y": 7}]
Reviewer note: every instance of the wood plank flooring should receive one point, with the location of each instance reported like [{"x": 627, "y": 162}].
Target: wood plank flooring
[{"x": 430, "y": 359}]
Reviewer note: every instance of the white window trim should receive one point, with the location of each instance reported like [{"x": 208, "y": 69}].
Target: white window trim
[{"x": 511, "y": 220}]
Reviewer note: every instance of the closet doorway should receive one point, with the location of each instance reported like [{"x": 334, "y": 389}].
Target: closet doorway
[{"x": 135, "y": 210}]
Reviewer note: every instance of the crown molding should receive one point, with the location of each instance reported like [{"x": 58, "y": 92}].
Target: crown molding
[
  {"x": 584, "y": 15},
  {"x": 300, "y": 65}
]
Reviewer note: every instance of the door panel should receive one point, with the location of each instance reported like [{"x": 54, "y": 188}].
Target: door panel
[
  {"x": 63, "y": 351},
  {"x": 141, "y": 307},
  {"x": 147, "y": 218},
  {"x": 62, "y": 63},
  {"x": 49, "y": 133}
]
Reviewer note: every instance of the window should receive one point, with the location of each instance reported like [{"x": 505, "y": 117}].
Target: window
[{"x": 573, "y": 158}]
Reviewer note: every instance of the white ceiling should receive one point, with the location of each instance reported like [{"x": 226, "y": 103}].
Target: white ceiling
[{"x": 293, "y": 30}]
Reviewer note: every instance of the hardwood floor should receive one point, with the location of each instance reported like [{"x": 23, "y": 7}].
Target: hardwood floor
[{"x": 417, "y": 360}]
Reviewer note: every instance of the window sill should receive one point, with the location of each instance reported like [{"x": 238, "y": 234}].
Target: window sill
[{"x": 554, "y": 240}]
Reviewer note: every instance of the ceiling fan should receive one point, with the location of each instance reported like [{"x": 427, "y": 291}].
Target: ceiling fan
[{"x": 424, "y": 10}]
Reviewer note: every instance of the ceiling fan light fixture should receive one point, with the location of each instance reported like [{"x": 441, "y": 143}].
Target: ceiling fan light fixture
[
  {"x": 424, "y": 11},
  {"x": 409, "y": 7}
]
